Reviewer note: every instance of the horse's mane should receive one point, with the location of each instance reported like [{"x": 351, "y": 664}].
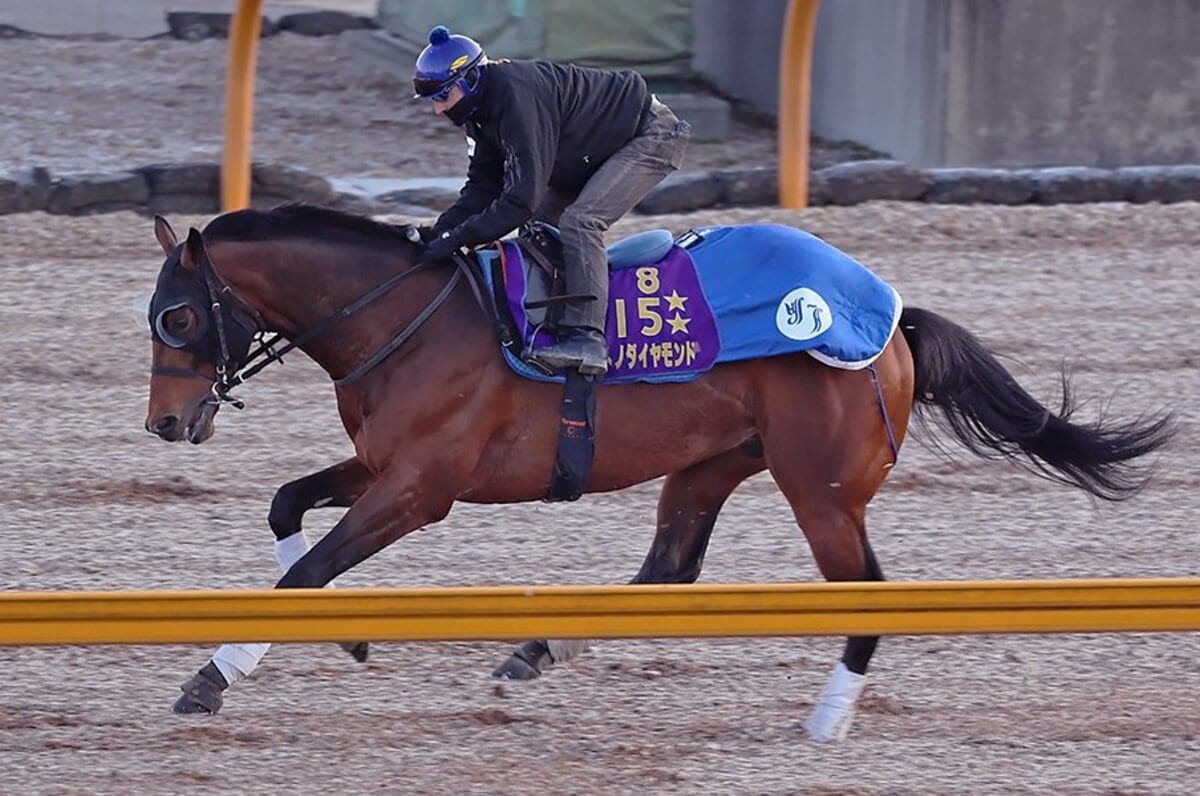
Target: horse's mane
[{"x": 303, "y": 221}]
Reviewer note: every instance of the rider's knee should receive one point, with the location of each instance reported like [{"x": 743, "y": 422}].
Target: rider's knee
[{"x": 582, "y": 220}]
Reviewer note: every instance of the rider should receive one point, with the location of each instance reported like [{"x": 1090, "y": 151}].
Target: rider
[{"x": 575, "y": 146}]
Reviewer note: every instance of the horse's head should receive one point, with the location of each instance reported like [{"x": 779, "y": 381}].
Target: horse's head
[{"x": 201, "y": 333}]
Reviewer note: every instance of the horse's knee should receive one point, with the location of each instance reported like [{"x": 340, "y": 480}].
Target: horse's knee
[{"x": 287, "y": 510}]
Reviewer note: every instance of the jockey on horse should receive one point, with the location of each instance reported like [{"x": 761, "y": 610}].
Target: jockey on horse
[{"x": 574, "y": 146}]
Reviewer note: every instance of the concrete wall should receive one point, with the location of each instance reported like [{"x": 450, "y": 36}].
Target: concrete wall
[
  {"x": 1098, "y": 83},
  {"x": 735, "y": 45},
  {"x": 878, "y": 75},
  {"x": 969, "y": 82}
]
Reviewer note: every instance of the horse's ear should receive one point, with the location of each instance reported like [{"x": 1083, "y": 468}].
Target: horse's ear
[
  {"x": 193, "y": 253},
  {"x": 166, "y": 235}
]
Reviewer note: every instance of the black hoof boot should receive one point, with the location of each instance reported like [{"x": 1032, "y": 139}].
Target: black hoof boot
[
  {"x": 525, "y": 663},
  {"x": 358, "y": 651},
  {"x": 202, "y": 693}
]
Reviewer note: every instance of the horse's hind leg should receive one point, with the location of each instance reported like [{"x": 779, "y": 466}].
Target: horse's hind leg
[
  {"x": 829, "y": 455},
  {"x": 838, "y": 538},
  {"x": 336, "y": 486},
  {"x": 687, "y": 511}
]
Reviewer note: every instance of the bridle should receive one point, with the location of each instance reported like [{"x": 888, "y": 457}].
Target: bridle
[
  {"x": 223, "y": 305},
  {"x": 224, "y": 302}
]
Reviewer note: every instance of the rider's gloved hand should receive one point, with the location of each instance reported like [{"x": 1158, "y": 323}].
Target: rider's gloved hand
[
  {"x": 439, "y": 249},
  {"x": 426, "y": 233}
]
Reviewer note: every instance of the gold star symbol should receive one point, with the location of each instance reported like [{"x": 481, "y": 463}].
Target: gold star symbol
[
  {"x": 678, "y": 324},
  {"x": 675, "y": 301}
]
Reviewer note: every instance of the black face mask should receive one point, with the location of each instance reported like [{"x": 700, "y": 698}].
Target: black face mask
[
  {"x": 462, "y": 111},
  {"x": 179, "y": 287}
]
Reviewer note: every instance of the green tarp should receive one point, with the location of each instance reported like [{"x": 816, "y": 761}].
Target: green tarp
[{"x": 654, "y": 36}]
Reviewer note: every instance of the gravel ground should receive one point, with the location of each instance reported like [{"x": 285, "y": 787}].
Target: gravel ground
[
  {"x": 91, "y": 501},
  {"x": 128, "y": 103}
]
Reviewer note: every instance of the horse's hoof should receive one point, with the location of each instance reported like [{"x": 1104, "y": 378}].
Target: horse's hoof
[
  {"x": 525, "y": 663},
  {"x": 515, "y": 669},
  {"x": 186, "y": 705},
  {"x": 358, "y": 651},
  {"x": 202, "y": 693}
]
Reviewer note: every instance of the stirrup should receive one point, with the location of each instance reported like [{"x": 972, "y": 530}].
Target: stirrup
[{"x": 593, "y": 370}]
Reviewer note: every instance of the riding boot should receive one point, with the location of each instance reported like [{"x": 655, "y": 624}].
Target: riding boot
[{"x": 578, "y": 347}]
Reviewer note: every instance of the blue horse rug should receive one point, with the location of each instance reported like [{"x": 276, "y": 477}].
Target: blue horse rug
[{"x": 719, "y": 294}]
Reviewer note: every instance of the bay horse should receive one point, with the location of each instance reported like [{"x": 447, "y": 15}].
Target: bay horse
[{"x": 436, "y": 416}]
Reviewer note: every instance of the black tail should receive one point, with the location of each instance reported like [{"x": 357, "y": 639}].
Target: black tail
[{"x": 985, "y": 408}]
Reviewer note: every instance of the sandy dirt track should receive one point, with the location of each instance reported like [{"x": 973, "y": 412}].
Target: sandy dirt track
[
  {"x": 130, "y": 103},
  {"x": 92, "y": 501}
]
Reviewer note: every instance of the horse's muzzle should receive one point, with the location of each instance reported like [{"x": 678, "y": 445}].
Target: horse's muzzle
[
  {"x": 172, "y": 428},
  {"x": 166, "y": 427}
]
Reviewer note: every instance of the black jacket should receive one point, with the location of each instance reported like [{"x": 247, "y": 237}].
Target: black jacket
[{"x": 538, "y": 125}]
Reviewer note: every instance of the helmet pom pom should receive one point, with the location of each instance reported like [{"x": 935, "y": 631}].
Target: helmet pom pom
[{"x": 439, "y": 34}]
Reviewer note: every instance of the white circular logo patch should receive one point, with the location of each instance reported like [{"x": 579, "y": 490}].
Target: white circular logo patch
[{"x": 803, "y": 314}]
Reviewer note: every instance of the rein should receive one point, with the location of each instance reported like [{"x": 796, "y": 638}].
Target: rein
[
  {"x": 407, "y": 331},
  {"x": 265, "y": 353}
]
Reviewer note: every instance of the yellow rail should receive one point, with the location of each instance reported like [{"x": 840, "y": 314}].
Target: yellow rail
[
  {"x": 795, "y": 85},
  {"x": 239, "y": 105},
  {"x": 600, "y": 612}
]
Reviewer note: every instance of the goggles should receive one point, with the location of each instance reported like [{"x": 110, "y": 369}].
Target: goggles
[{"x": 435, "y": 90}]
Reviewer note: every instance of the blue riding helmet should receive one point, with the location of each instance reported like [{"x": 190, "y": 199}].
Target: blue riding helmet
[{"x": 447, "y": 62}]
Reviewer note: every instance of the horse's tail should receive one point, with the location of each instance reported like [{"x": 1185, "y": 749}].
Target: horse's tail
[{"x": 986, "y": 410}]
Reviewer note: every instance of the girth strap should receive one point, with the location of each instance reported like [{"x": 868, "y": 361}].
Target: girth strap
[
  {"x": 576, "y": 438},
  {"x": 887, "y": 421}
]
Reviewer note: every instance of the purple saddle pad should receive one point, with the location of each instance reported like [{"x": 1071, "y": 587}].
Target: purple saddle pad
[{"x": 660, "y": 326}]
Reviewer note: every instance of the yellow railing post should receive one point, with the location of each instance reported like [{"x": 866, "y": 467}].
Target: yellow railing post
[
  {"x": 239, "y": 105},
  {"x": 795, "y": 83}
]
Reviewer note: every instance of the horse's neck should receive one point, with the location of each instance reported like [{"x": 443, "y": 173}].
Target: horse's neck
[{"x": 296, "y": 285}]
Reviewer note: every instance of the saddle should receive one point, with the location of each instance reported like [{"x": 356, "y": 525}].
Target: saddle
[{"x": 546, "y": 287}]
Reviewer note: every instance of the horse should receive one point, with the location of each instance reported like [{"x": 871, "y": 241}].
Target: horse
[{"x": 435, "y": 416}]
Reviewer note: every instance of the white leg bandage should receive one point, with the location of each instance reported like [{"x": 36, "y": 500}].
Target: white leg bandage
[
  {"x": 289, "y": 550},
  {"x": 834, "y": 713},
  {"x": 563, "y": 650},
  {"x": 237, "y": 661}
]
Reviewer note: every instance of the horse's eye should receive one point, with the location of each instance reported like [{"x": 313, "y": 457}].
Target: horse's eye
[{"x": 179, "y": 321}]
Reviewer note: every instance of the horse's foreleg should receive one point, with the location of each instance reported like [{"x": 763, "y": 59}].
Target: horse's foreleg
[
  {"x": 338, "y": 486},
  {"x": 396, "y": 503},
  {"x": 687, "y": 511}
]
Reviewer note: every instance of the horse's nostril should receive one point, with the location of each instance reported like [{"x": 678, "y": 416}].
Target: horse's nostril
[{"x": 164, "y": 424}]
